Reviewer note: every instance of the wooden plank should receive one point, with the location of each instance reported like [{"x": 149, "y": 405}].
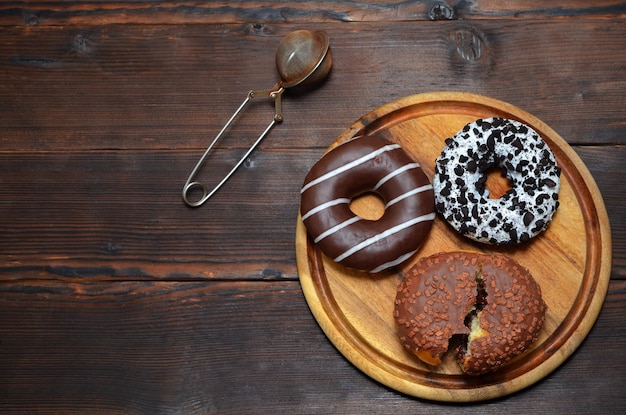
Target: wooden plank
[
  {"x": 222, "y": 12},
  {"x": 609, "y": 180},
  {"x": 145, "y": 86},
  {"x": 117, "y": 298},
  {"x": 233, "y": 348},
  {"x": 119, "y": 214}
]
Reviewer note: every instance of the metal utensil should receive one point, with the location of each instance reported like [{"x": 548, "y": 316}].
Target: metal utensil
[{"x": 303, "y": 58}]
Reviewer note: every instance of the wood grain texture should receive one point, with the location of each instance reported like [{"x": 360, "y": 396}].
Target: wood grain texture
[
  {"x": 166, "y": 87},
  {"x": 117, "y": 298},
  {"x": 222, "y": 12},
  {"x": 231, "y": 348}
]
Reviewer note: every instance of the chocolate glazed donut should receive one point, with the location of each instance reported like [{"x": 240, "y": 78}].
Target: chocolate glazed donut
[
  {"x": 487, "y": 308},
  {"x": 358, "y": 166}
]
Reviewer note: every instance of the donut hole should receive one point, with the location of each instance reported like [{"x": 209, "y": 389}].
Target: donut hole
[
  {"x": 496, "y": 182},
  {"x": 369, "y": 206}
]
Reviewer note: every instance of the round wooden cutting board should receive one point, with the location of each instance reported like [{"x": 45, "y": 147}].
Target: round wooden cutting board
[{"x": 571, "y": 260}]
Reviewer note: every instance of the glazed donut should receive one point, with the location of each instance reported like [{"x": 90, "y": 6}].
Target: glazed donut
[
  {"x": 367, "y": 165},
  {"x": 525, "y": 159},
  {"x": 491, "y": 301}
]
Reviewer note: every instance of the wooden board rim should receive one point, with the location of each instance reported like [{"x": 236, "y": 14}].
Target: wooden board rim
[{"x": 553, "y": 352}]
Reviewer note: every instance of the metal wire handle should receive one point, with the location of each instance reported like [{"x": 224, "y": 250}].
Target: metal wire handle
[{"x": 275, "y": 94}]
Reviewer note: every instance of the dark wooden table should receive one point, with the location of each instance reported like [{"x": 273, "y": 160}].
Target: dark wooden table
[{"x": 115, "y": 297}]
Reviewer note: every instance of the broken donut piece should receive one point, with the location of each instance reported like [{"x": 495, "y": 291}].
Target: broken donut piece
[{"x": 490, "y": 301}]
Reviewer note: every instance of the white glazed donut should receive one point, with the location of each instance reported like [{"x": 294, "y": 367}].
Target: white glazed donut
[{"x": 528, "y": 163}]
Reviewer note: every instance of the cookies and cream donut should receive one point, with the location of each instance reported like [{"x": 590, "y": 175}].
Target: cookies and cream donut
[
  {"x": 490, "y": 302},
  {"x": 525, "y": 159},
  {"x": 367, "y": 165}
]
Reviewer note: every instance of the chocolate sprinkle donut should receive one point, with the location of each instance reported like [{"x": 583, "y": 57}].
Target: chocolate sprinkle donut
[
  {"x": 367, "y": 165},
  {"x": 489, "y": 302},
  {"x": 525, "y": 159}
]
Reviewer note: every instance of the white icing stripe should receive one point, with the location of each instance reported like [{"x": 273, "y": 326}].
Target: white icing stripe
[
  {"x": 409, "y": 193},
  {"x": 382, "y": 235},
  {"x": 395, "y": 173},
  {"x": 349, "y": 166},
  {"x": 393, "y": 263},
  {"x": 323, "y": 206},
  {"x": 337, "y": 228}
]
